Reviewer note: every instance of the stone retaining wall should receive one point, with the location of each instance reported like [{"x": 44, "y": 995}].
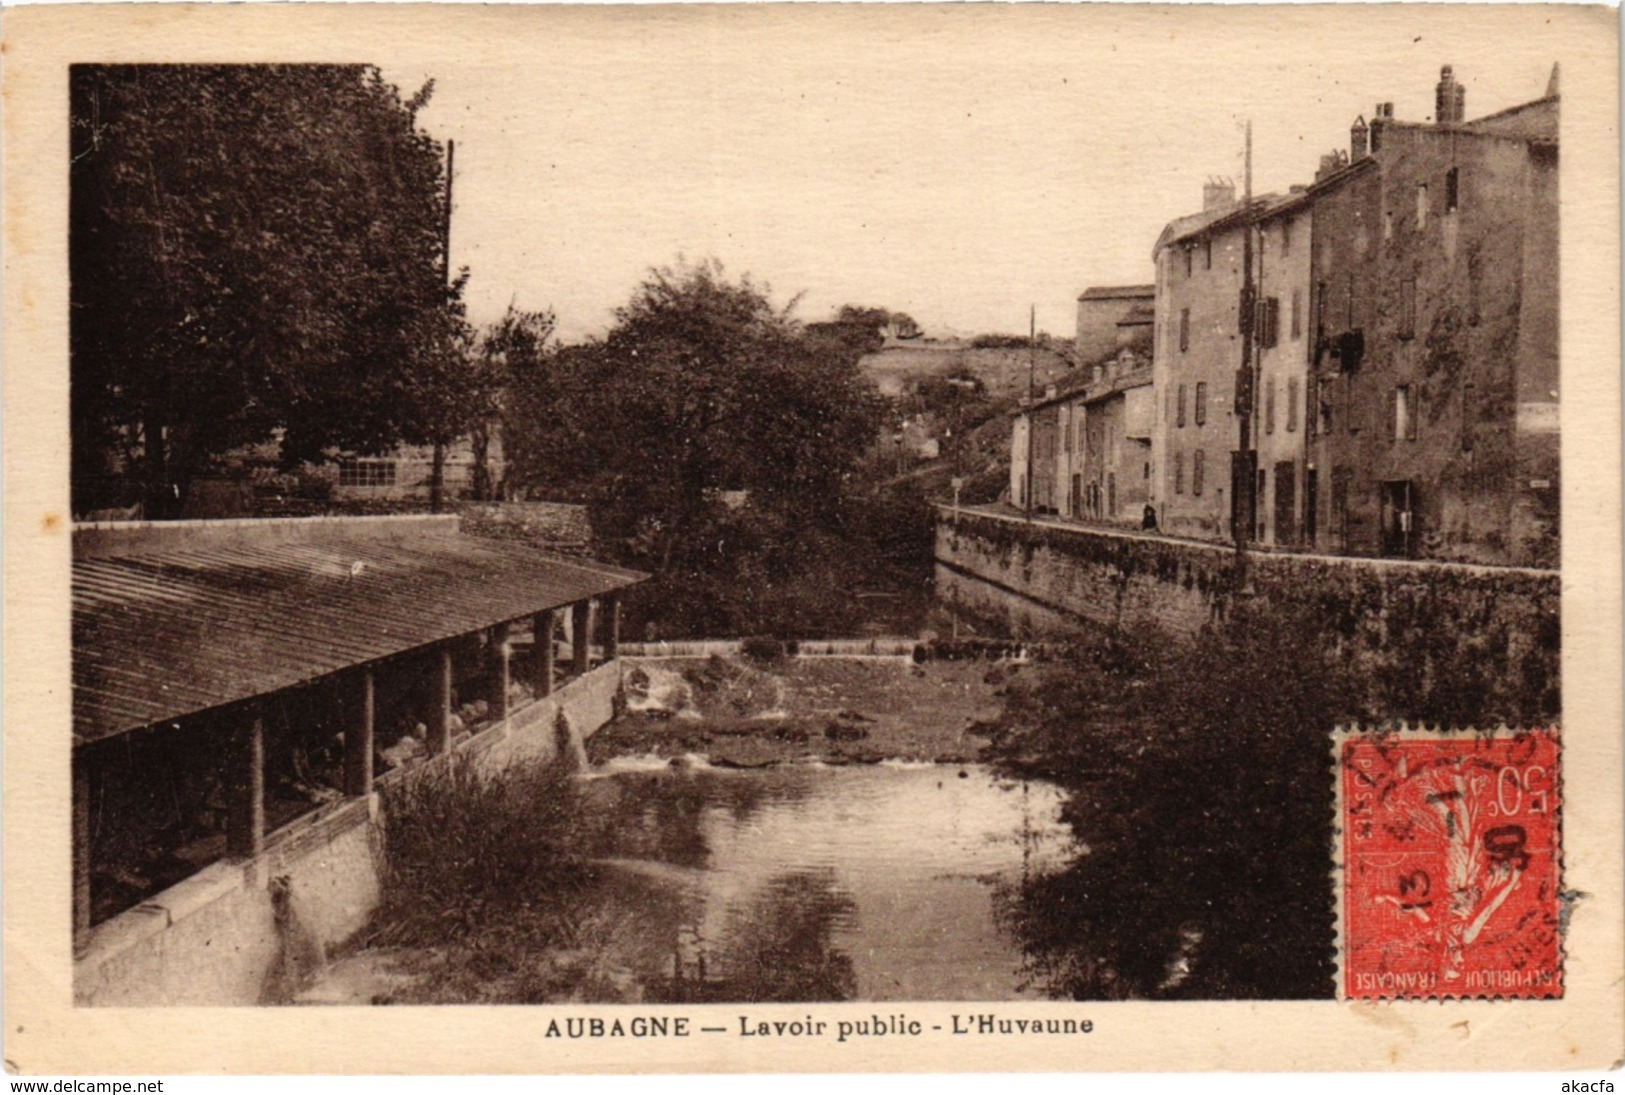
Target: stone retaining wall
[{"x": 1415, "y": 627}]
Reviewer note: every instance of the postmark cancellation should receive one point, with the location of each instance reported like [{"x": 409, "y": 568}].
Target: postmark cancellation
[{"x": 1448, "y": 864}]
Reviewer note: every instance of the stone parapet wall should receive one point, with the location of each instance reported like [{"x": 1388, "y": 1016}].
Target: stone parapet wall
[{"x": 1414, "y": 629}]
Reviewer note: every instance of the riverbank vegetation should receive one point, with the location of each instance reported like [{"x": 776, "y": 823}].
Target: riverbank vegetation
[
  {"x": 726, "y": 448},
  {"x": 1199, "y": 773}
]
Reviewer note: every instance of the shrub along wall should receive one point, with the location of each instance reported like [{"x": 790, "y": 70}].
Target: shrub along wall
[{"x": 1434, "y": 641}]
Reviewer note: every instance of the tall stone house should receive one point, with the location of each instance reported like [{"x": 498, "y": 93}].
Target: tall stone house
[
  {"x": 1435, "y": 312},
  {"x": 1404, "y": 350}
]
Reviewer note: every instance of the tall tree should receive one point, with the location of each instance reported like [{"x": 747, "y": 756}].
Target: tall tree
[
  {"x": 251, "y": 247},
  {"x": 702, "y": 387},
  {"x": 513, "y": 355}
]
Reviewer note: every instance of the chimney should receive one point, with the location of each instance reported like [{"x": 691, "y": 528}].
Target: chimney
[
  {"x": 1331, "y": 163},
  {"x": 1218, "y": 193},
  {"x": 1357, "y": 142},
  {"x": 1380, "y": 117},
  {"x": 1449, "y": 99}
]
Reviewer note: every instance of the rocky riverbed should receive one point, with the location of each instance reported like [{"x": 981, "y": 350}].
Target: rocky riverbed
[{"x": 737, "y": 713}]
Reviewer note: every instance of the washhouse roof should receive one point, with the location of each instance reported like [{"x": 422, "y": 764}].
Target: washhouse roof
[{"x": 179, "y": 618}]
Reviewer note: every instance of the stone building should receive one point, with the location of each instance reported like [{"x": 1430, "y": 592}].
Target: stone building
[
  {"x": 1111, "y": 317},
  {"x": 1091, "y": 444},
  {"x": 1195, "y": 358},
  {"x": 1434, "y": 308},
  {"x": 1288, "y": 487}
]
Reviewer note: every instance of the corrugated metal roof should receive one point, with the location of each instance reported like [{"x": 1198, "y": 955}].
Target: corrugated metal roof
[{"x": 177, "y": 628}]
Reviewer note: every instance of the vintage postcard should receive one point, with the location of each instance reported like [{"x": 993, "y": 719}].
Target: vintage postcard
[{"x": 788, "y": 537}]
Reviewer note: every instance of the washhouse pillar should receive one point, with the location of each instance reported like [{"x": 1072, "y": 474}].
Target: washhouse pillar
[
  {"x": 358, "y": 737},
  {"x": 245, "y": 788},
  {"x": 81, "y": 853},
  {"x": 542, "y": 627},
  {"x": 580, "y": 635},
  {"x": 499, "y": 672},
  {"x": 612, "y": 627},
  {"x": 439, "y": 720}
]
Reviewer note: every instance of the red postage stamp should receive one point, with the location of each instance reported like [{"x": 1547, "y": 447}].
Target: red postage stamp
[{"x": 1451, "y": 864}]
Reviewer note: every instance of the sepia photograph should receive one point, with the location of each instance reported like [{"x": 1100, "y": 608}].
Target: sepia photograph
[{"x": 773, "y": 529}]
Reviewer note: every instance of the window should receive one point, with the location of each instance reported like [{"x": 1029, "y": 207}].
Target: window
[
  {"x": 366, "y": 473},
  {"x": 1207, "y": 253},
  {"x": 1198, "y": 471},
  {"x": 1179, "y": 473},
  {"x": 1184, "y": 329},
  {"x": 1421, "y": 206},
  {"x": 1452, "y": 191},
  {"x": 1188, "y": 250},
  {"x": 1291, "y": 404},
  {"x": 1286, "y": 236},
  {"x": 1179, "y": 417},
  {"x": 1201, "y": 402},
  {"x": 1388, "y": 225},
  {"x": 1297, "y": 314},
  {"x": 1404, "y": 414},
  {"x": 1407, "y": 308},
  {"x": 1269, "y": 322},
  {"x": 1269, "y": 406}
]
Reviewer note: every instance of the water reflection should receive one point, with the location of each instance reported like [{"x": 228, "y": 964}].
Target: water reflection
[{"x": 805, "y": 883}]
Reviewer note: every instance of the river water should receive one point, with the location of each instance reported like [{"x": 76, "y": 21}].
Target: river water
[{"x": 804, "y": 882}]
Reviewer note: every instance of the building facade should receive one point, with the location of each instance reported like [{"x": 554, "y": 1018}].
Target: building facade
[
  {"x": 1111, "y": 317},
  {"x": 1288, "y": 487},
  {"x": 1435, "y": 307},
  {"x": 1197, "y": 352}
]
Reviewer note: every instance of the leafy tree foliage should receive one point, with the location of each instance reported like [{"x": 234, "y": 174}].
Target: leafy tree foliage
[
  {"x": 254, "y": 248},
  {"x": 1206, "y": 805},
  {"x": 716, "y": 440}
]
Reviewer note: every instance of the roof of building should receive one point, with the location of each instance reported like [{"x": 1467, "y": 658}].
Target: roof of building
[
  {"x": 173, "y": 619},
  {"x": 1118, "y": 292},
  {"x": 1120, "y": 371},
  {"x": 1220, "y": 219}
]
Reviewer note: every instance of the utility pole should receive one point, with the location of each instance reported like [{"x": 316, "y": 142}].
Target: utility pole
[
  {"x": 437, "y": 474},
  {"x": 1032, "y": 412},
  {"x": 1244, "y": 489}
]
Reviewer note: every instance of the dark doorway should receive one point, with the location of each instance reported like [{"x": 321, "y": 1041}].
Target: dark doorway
[
  {"x": 1311, "y": 504},
  {"x": 1286, "y": 502},
  {"x": 1398, "y": 518}
]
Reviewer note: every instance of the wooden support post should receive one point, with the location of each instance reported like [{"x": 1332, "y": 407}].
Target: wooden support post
[
  {"x": 245, "y": 782},
  {"x": 581, "y": 634},
  {"x": 358, "y": 740},
  {"x": 81, "y": 853},
  {"x": 499, "y": 672},
  {"x": 439, "y": 720},
  {"x": 612, "y": 627},
  {"x": 542, "y": 628}
]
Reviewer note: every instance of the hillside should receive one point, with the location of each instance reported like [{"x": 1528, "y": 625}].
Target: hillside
[{"x": 899, "y": 367}]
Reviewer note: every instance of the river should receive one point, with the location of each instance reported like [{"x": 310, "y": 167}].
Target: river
[{"x": 807, "y": 882}]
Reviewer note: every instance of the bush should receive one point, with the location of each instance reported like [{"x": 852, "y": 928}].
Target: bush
[
  {"x": 461, "y": 842},
  {"x": 1201, "y": 784}
]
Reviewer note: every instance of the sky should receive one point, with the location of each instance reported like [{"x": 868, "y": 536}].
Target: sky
[{"x": 955, "y": 163}]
